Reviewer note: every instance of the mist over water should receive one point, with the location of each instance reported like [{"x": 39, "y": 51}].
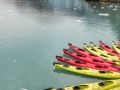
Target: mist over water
[{"x": 33, "y": 32}]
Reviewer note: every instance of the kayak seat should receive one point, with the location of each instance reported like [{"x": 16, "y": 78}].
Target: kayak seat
[
  {"x": 110, "y": 54},
  {"x": 100, "y": 48},
  {"x": 100, "y": 66},
  {"x": 117, "y": 47},
  {"x": 60, "y": 89},
  {"x": 104, "y": 72},
  {"x": 66, "y": 65},
  {"x": 97, "y": 61},
  {"x": 118, "y": 69},
  {"x": 80, "y": 55},
  {"x": 106, "y": 83},
  {"x": 79, "y": 62},
  {"x": 115, "y": 52},
  {"x": 101, "y": 84},
  {"x": 81, "y": 49},
  {"x": 103, "y": 55},
  {"x": 93, "y": 50},
  {"x": 79, "y": 68},
  {"x": 107, "y": 47},
  {"x": 91, "y": 54},
  {"x": 94, "y": 45},
  {"x": 76, "y": 88}
]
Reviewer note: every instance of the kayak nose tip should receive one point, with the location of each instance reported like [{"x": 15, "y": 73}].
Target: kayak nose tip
[
  {"x": 54, "y": 63},
  {"x": 65, "y": 49},
  {"x": 56, "y": 56},
  {"x": 84, "y": 44},
  {"x": 69, "y": 44},
  {"x": 59, "y": 57},
  {"x": 91, "y": 43}
]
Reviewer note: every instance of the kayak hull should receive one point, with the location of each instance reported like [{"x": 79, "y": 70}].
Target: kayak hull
[
  {"x": 87, "y": 65},
  {"x": 102, "y": 85},
  {"x": 88, "y": 71}
]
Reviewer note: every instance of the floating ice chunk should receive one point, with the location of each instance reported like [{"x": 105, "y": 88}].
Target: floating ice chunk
[
  {"x": 11, "y": 14},
  {"x": 9, "y": 10},
  {"x": 9, "y": 33},
  {"x": 23, "y": 89},
  {"x": 115, "y": 9},
  {"x": 27, "y": 10},
  {"x": 102, "y": 7},
  {"x": 103, "y": 14},
  {"x": 78, "y": 20},
  {"x": 44, "y": 28},
  {"x": 111, "y": 6},
  {"x": 14, "y": 60}
]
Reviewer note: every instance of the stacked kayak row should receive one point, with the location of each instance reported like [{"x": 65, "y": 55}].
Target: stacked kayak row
[
  {"x": 94, "y": 61},
  {"x": 103, "y": 85},
  {"x": 98, "y": 61}
]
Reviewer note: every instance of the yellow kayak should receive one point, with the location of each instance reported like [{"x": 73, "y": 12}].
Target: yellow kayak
[
  {"x": 93, "y": 51},
  {"x": 88, "y": 71},
  {"x": 102, "y": 85},
  {"x": 116, "y": 47},
  {"x": 102, "y": 51},
  {"x": 117, "y": 88}
]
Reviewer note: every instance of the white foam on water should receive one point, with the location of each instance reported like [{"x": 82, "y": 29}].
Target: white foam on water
[
  {"x": 103, "y": 14},
  {"x": 78, "y": 20}
]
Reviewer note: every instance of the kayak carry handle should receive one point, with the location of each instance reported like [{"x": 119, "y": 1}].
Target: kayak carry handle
[
  {"x": 65, "y": 50},
  {"x": 69, "y": 44},
  {"x": 60, "y": 89},
  {"x": 91, "y": 43},
  {"x": 56, "y": 63},
  {"x": 100, "y": 41},
  {"x": 66, "y": 65},
  {"x": 48, "y": 88},
  {"x": 59, "y": 57},
  {"x": 84, "y": 44}
]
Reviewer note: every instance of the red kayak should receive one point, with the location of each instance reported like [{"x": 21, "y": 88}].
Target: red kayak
[
  {"x": 109, "y": 49},
  {"x": 87, "y": 65},
  {"x": 86, "y": 53},
  {"x": 88, "y": 59},
  {"x": 119, "y": 42}
]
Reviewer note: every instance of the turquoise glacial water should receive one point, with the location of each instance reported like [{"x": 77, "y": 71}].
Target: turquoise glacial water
[{"x": 33, "y": 32}]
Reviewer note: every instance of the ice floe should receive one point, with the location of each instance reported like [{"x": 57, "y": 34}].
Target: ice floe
[
  {"x": 78, "y": 20},
  {"x": 103, "y": 14}
]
